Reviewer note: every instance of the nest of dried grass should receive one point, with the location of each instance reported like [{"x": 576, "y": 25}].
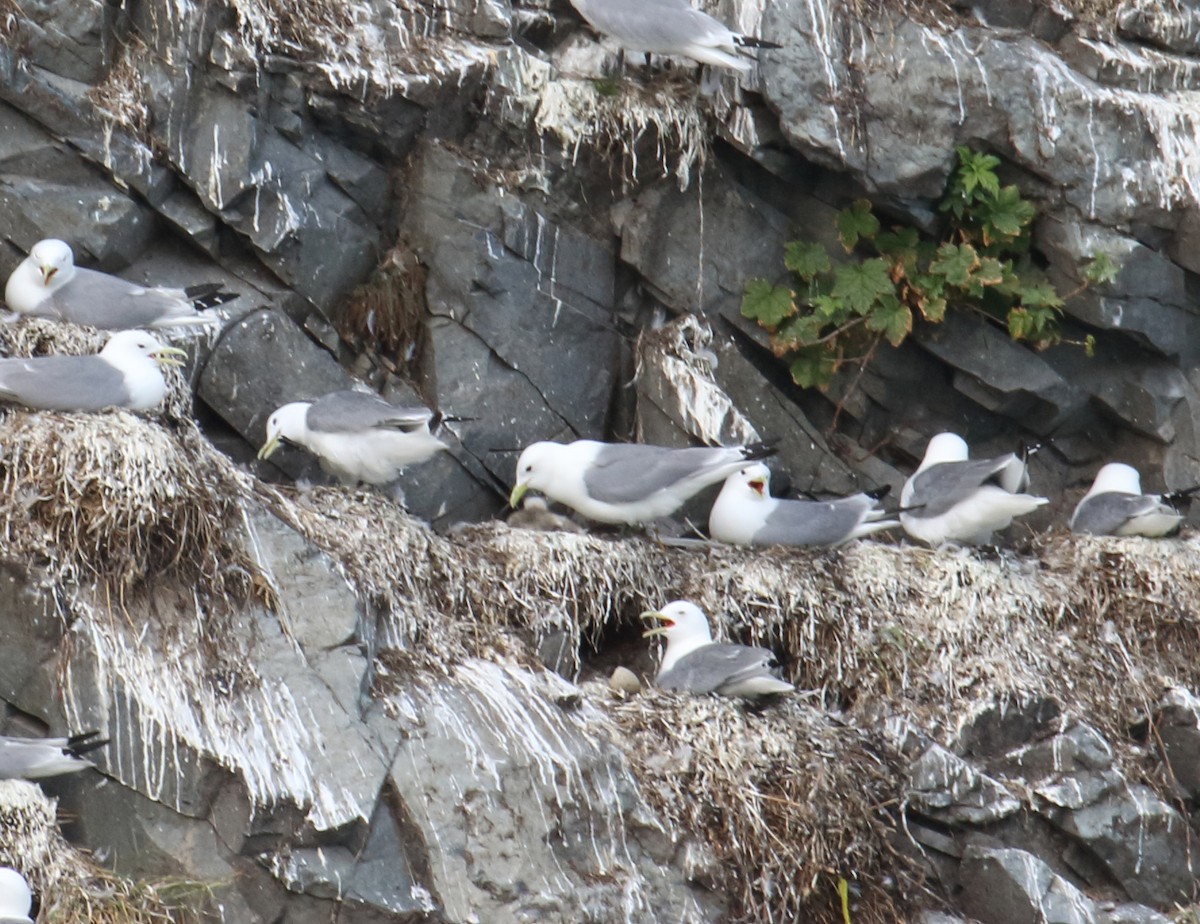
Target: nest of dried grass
[
  {"x": 73, "y": 888},
  {"x": 786, "y": 802},
  {"x": 116, "y": 497}
]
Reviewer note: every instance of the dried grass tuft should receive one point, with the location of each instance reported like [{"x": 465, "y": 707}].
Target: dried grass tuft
[{"x": 386, "y": 312}]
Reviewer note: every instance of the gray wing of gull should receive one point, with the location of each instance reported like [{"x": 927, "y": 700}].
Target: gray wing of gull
[
  {"x": 62, "y": 383},
  {"x": 712, "y": 667},
  {"x": 26, "y": 758},
  {"x": 1103, "y": 514},
  {"x": 624, "y": 473},
  {"x": 357, "y": 412},
  {"x": 815, "y": 523},
  {"x": 112, "y": 303},
  {"x": 943, "y": 486},
  {"x": 661, "y": 26}
]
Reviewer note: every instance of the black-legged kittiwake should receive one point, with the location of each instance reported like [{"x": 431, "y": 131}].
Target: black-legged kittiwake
[
  {"x": 16, "y": 898},
  {"x": 694, "y": 663},
  {"x": 745, "y": 513},
  {"x": 48, "y": 284},
  {"x": 125, "y": 373},
  {"x": 536, "y": 514},
  {"x": 625, "y": 482},
  {"x": 357, "y": 436},
  {"x": 1116, "y": 506},
  {"x": 669, "y": 27},
  {"x": 952, "y": 499},
  {"x": 37, "y": 758}
]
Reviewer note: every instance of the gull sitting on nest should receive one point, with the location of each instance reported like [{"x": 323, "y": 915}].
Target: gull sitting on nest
[
  {"x": 38, "y": 758},
  {"x": 950, "y": 499},
  {"x": 125, "y": 373},
  {"x": 627, "y": 483},
  {"x": 357, "y": 436},
  {"x": 694, "y": 663},
  {"x": 1116, "y": 506},
  {"x": 48, "y": 284},
  {"x": 745, "y": 513},
  {"x": 669, "y": 27}
]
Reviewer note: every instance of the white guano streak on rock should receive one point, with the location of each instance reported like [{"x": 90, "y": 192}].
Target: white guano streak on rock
[
  {"x": 700, "y": 404},
  {"x": 820, "y": 17},
  {"x": 261, "y": 734}
]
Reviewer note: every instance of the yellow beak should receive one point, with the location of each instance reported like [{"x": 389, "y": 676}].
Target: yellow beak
[
  {"x": 269, "y": 447},
  {"x": 655, "y": 630},
  {"x": 167, "y": 356},
  {"x": 518, "y": 492},
  {"x": 48, "y": 273}
]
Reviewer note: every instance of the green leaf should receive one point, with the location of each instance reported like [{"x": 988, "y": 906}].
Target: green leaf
[
  {"x": 901, "y": 243},
  {"x": 856, "y": 222},
  {"x": 1020, "y": 324},
  {"x": 1100, "y": 269},
  {"x": 799, "y": 331},
  {"x": 1039, "y": 294},
  {"x": 933, "y": 308},
  {"x": 812, "y": 368},
  {"x": 829, "y": 307},
  {"x": 892, "y": 318},
  {"x": 860, "y": 285},
  {"x": 956, "y": 262},
  {"x": 977, "y": 170},
  {"x": 1089, "y": 346},
  {"x": 990, "y": 272},
  {"x": 767, "y": 304},
  {"x": 1007, "y": 215},
  {"x": 807, "y": 260}
]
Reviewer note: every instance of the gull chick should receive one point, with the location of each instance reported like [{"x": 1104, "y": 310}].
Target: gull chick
[
  {"x": 38, "y": 758},
  {"x": 745, "y": 513},
  {"x": 356, "y": 436},
  {"x": 125, "y": 373},
  {"x": 694, "y": 663},
  {"x": 48, "y": 284},
  {"x": 669, "y": 27},
  {"x": 1116, "y": 506},
  {"x": 625, "y": 482},
  {"x": 952, "y": 499},
  {"x": 15, "y": 897}
]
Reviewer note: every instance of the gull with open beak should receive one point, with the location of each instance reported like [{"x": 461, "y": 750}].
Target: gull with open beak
[
  {"x": 694, "y": 663},
  {"x": 745, "y": 513},
  {"x": 126, "y": 373},
  {"x": 48, "y": 284}
]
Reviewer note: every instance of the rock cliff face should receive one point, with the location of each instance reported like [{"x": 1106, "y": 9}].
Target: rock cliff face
[{"x": 320, "y": 708}]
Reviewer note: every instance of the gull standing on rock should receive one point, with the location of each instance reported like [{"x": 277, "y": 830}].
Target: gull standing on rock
[
  {"x": 38, "y": 758},
  {"x": 952, "y": 499},
  {"x": 357, "y": 436},
  {"x": 1116, "y": 506},
  {"x": 669, "y": 27},
  {"x": 745, "y": 513},
  {"x": 694, "y": 663},
  {"x": 627, "y": 483},
  {"x": 124, "y": 374},
  {"x": 15, "y": 897},
  {"x": 48, "y": 284}
]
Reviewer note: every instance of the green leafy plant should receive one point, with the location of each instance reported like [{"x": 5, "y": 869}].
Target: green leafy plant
[{"x": 839, "y": 313}]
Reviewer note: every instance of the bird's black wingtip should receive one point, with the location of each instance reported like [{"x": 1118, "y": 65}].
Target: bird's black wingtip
[
  {"x": 209, "y": 295},
  {"x": 1180, "y": 500},
  {"x": 879, "y": 493},
  {"x": 764, "y": 450},
  {"x": 80, "y": 744},
  {"x": 750, "y": 41}
]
